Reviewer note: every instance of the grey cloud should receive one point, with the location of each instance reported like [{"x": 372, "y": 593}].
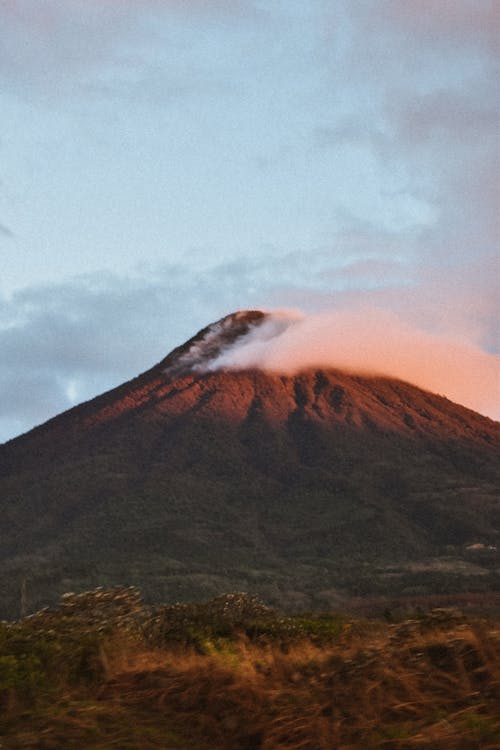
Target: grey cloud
[
  {"x": 457, "y": 114},
  {"x": 31, "y": 396},
  {"x": 425, "y": 75},
  {"x": 458, "y": 22},
  {"x": 5, "y": 231},
  {"x": 54, "y": 48}
]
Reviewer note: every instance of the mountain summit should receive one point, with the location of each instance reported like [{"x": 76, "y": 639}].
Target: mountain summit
[
  {"x": 191, "y": 480},
  {"x": 200, "y": 352}
]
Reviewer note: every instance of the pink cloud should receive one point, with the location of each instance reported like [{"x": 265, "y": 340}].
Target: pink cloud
[
  {"x": 459, "y": 21},
  {"x": 374, "y": 342}
]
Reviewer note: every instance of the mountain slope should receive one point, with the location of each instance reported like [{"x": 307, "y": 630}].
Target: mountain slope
[{"x": 305, "y": 489}]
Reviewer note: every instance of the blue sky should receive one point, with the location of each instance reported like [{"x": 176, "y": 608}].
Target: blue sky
[{"x": 163, "y": 163}]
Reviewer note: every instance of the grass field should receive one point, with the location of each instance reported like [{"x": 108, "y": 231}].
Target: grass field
[{"x": 104, "y": 671}]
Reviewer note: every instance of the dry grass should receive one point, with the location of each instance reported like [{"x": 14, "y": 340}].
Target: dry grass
[
  {"x": 434, "y": 689},
  {"x": 432, "y": 683}
]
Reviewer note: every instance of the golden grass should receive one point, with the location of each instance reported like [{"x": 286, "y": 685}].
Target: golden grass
[
  {"x": 429, "y": 684},
  {"x": 436, "y": 689}
]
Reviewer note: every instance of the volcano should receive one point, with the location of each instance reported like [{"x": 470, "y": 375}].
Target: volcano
[{"x": 307, "y": 489}]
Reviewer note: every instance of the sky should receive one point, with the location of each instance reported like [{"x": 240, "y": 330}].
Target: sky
[{"x": 164, "y": 163}]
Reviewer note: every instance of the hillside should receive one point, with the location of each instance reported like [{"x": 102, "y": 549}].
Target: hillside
[{"x": 307, "y": 489}]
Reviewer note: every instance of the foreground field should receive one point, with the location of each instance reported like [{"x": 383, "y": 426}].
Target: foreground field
[{"x": 103, "y": 671}]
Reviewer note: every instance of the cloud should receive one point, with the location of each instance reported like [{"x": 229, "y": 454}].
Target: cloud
[
  {"x": 458, "y": 115},
  {"x": 5, "y": 231},
  {"x": 461, "y": 303},
  {"x": 372, "y": 342},
  {"x": 415, "y": 87},
  {"x": 57, "y": 47},
  {"x": 456, "y": 22},
  {"x": 31, "y": 397}
]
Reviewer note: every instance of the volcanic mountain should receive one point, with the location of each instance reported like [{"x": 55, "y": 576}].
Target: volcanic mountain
[{"x": 191, "y": 481}]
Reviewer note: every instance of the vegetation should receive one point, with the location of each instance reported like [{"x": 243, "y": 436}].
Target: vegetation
[{"x": 102, "y": 670}]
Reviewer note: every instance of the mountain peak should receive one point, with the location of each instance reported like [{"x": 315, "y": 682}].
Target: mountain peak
[{"x": 197, "y": 354}]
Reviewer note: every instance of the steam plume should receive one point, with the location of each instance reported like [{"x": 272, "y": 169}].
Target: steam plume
[{"x": 373, "y": 342}]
